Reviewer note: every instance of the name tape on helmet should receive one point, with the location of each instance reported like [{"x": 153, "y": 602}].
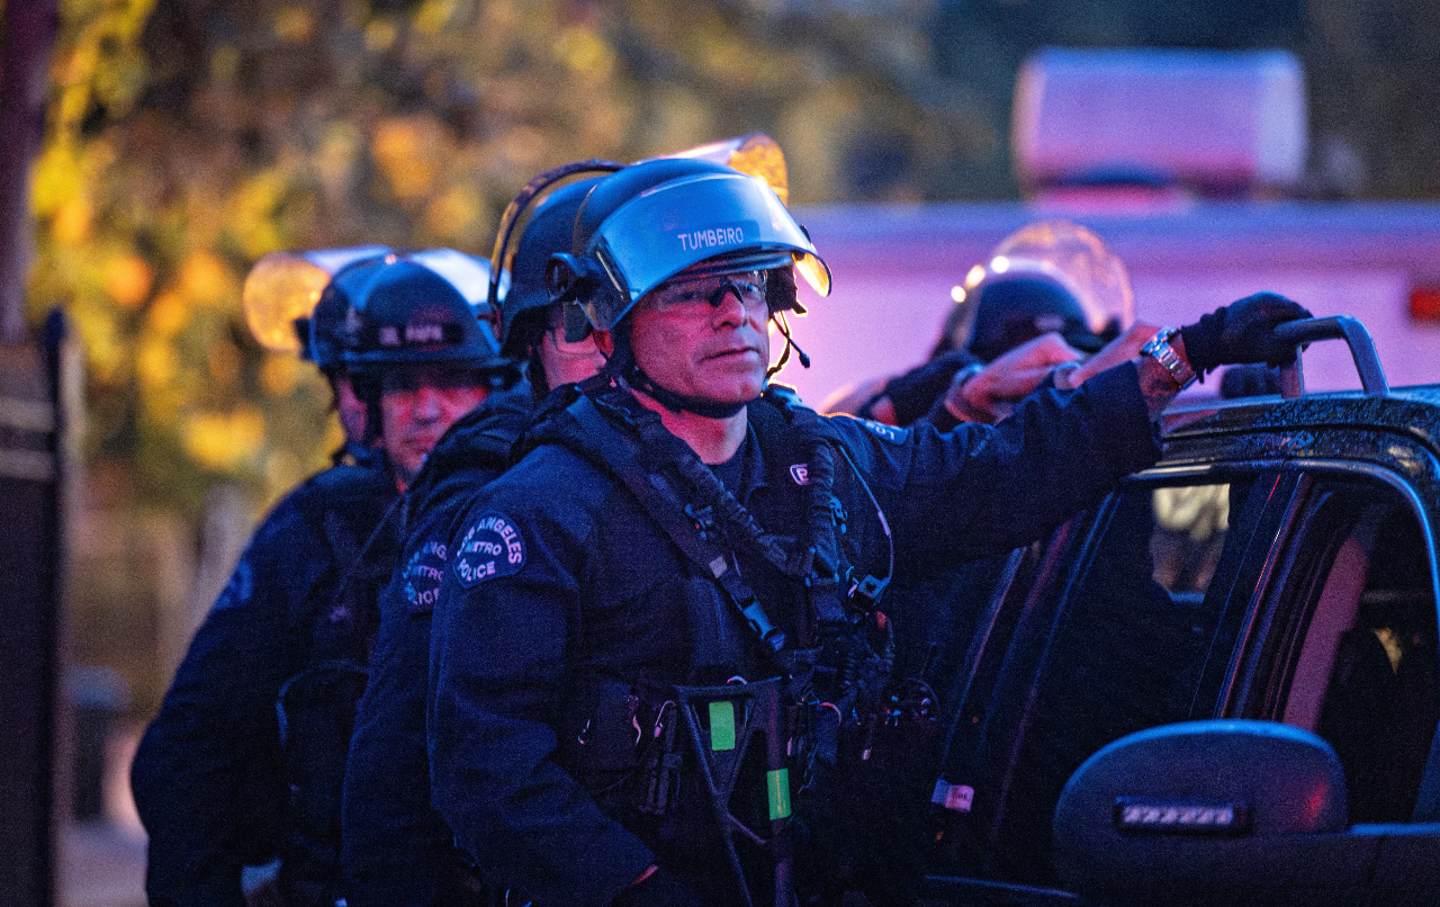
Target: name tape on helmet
[
  {"x": 491, "y": 547},
  {"x": 720, "y": 236}
]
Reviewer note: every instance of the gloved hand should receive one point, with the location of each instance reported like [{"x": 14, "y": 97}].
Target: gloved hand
[
  {"x": 1243, "y": 331},
  {"x": 915, "y": 391},
  {"x": 661, "y": 889}
]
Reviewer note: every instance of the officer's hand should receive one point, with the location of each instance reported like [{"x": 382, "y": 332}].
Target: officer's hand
[
  {"x": 1121, "y": 349},
  {"x": 988, "y": 395},
  {"x": 660, "y": 889},
  {"x": 1243, "y": 331},
  {"x": 912, "y": 394}
]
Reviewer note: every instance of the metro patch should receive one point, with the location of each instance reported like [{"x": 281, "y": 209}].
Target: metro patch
[
  {"x": 423, "y": 576},
  {"x": 491, "y": 546}
]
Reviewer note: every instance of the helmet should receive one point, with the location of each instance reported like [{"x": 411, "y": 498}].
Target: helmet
[
  {"x": 1047, "y": 276},
  {"x": 547, "y": 232},
  {"x": 405, "y": 312},
  {"x": 283, "y": 290},
  {"x": 334, "y": 325},
  {"x": 1008, "y": 309},
  {"x": 653, "y": 220}
]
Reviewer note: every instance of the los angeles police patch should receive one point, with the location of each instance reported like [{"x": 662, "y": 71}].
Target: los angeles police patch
[
  {"x": 490, "y": 547},
  {"x": 424, "y": 573}
]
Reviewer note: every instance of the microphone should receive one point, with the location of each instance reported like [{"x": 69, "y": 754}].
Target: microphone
[{"x": 804, "y": 359}]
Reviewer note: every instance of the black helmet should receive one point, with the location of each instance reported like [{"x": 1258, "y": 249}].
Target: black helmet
[
  {"x": 1047, "y": 276},
  {"x": 547, "y": 232},
  {"x": 334, "y": 324},
  {"x": 653, "y": 220},
  {"x": 1007, "y": 310},
  {"x": 404, "y": 312}
]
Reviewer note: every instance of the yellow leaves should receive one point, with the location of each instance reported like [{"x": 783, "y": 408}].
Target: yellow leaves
[
  {"x": 585, "y": 52},
  {"x": 167, "y": 314},
  {"x": 156, "y": 365},
  {"x": 294, "y": 24},
  {"x": 71, "y": 224},
  {"x": 280, "y": 375},
  {"x": 127, "y": 280},
  {"x": 451, "y": 215},
  {"x": 250, "y": 214},
  {"x": 204, "y": 279},
  {"x": 225, "y": 63},
  {"x": 224, "y": 441},
  {"x": 380, "y": 35},
  {"x": 407, "y": 148},
  {"x": 433, "y": 15}
]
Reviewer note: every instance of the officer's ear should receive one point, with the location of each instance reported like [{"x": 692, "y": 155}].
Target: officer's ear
[{"x": 605, "y": 343}]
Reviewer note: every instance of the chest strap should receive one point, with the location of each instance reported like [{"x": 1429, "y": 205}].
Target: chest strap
[{"x": 662, "y": 503}]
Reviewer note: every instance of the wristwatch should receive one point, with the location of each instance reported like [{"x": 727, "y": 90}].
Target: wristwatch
[{"x": 1159, "y": 349}]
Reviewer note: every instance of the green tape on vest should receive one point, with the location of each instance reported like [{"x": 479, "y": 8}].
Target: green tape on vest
[
  {"x": 777, "y": 785},
  {"x": 722, "y": 726}
]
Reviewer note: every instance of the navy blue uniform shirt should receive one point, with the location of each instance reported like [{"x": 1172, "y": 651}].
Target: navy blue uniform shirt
[
  {"x": 558, "y": 577},
  {"x": 394, "y": 849},
  {"x": 208, "y": 777}
]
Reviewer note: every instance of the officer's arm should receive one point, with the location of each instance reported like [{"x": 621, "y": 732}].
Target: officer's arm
[
  {"x": 501, "y": 649},
  {"x": 985, "y": 488},
  {"x": 207, "y": 776},
  {"x": 394, "y": 848}
]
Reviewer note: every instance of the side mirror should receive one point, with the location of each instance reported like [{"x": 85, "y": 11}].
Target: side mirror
[{"x": 1213, "y": 812}]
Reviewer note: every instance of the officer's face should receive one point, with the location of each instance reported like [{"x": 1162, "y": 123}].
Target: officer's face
[
  {"x": 705, "y": 337},
  {"x": 417, "y": 405}
]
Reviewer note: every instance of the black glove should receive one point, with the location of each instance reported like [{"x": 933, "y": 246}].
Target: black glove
[
  {"x": 662, "y": 889},
  {"x": 1243, "y": 331},
  {"x": 914, "y": 392}
]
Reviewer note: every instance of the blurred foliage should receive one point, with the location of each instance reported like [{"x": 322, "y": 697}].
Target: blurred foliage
[{"x": 187, "y": 138}]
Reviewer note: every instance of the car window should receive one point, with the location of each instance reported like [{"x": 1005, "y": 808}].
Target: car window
[
  {"x": 1142, "y": 606},
  {"x": 1353, "y": 653}
]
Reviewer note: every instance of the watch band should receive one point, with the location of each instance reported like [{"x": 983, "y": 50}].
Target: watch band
[{"x": 1159, "y": 349}]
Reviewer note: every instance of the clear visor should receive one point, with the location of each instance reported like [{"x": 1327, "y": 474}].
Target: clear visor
[
  {"x": 1080, "y": 261},
  {"x": 283, "y": 287},
  {"x": 682, "y": 223}
]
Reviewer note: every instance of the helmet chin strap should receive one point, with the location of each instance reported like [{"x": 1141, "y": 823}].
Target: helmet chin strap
[{"x": 636, "y": 378}]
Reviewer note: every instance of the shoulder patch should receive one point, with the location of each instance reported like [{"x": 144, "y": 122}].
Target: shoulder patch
[
  {"x": 491, "y": 546},
  {"x": 424, "y": 573},
  {"x": 886, "y": 432}
]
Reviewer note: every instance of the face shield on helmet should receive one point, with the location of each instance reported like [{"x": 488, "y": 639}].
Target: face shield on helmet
[
  {"x": 671, "y": 216},
  {"x": 1050, "y": 275},
  {"x": 282, "y": 294}
]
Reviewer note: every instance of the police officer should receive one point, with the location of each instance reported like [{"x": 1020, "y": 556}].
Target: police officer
[
  {"x": 661, "y": 623},
  {"x": 396, "y": 851},
  {"x": 422, "y": 356},
  {"x": 1048, "y": 293},
  {"x": 216, "y": 786}
]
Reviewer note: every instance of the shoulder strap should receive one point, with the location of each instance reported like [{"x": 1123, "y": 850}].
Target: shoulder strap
[{"x": 619, "y": 452}]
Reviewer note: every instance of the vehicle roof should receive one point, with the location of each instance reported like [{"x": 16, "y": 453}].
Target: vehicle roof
[{"x": 1412, "y": 411}]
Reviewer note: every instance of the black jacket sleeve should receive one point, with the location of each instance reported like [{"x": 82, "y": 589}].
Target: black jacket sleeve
[{"x": 207, "y": 775}]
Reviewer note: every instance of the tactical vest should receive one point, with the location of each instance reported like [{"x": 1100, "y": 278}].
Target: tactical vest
[{"x": 649, "y": 752}]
